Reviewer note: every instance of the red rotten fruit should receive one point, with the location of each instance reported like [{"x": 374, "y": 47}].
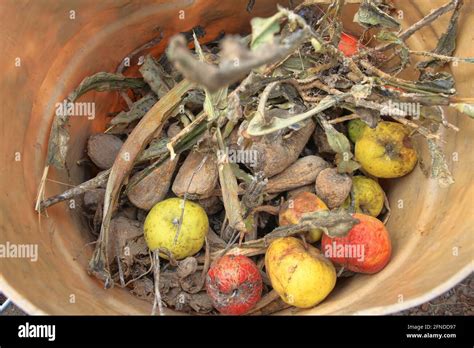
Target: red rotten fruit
[
  {"x": 365, "y": 249},
  {"x": 234, "y": 284},
  {"x": 349, "y": 45}
]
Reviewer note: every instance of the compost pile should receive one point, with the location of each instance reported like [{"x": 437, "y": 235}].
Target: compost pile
[{"x": 243, "y": 175}]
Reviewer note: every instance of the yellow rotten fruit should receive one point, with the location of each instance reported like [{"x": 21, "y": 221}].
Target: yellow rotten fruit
[
  {"x": 368, "y": 196},
  {"x": 161, "y": 227},
  {"x": 386, "y": 151},
  {"x": 300, "y": 274},
  {"x": 293, "y": 210}
]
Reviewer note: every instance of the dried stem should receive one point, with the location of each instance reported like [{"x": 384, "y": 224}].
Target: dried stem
[
  {"x": 91, "y": 184},
  {"x": 157, "y": 303}
]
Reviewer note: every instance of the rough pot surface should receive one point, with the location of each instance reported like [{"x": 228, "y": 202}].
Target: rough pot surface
[{"x": 432, "y": 234}]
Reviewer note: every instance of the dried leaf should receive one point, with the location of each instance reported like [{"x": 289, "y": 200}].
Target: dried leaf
[
  {"x": 257, "y": 125},
  {"x": 59, "y": 135},
  {"x": 186, "y": 267},
  {"x": 334, "y": 223},
  {"x": 369, "y": 15},
  {"x": 156, "y": 77},
  {"x": 137, "y": 111},
  {"x": 341, "y": 145},
  {"x": 233, "y": 51},
  {"x": 148, "y": 127},
  {"x": 215, "y": 104},
  {"x": 465, "y": 108},
  {"x": 447, "y": 43},
  {"x": 230, "y": 189},
  {"x": 104, "y": 81},
  {"x": 263, "y": 30}
]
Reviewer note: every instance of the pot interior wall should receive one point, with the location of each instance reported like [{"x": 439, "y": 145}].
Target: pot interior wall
[{"x": 430, "y": 227}]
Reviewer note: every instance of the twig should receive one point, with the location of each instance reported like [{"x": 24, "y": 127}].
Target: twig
[
  {"x": 433, "y": 15},
  {"x": 156, "y": 274},
  {"x": 344, "y": 118},
  {"x": 185, "y": 131},
  {"x": 438, "y": 56},
  {"x": 91, "y": 184}
]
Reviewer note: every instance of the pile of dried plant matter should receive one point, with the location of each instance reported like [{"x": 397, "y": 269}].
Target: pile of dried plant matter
[{"x": 241, "y": 126}]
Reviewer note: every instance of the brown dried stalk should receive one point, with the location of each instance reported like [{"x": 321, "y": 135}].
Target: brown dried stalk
[
  {"x": 148, "y": 127},
  {"x": 91, "y": 184}
]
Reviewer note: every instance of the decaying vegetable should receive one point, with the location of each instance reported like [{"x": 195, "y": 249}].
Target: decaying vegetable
[
  {"x": 197, "y": 176},
  {"x": 332, "y": 187}
]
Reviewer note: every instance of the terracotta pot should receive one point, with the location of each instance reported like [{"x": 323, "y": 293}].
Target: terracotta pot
[{"x": 432, "y": 234}]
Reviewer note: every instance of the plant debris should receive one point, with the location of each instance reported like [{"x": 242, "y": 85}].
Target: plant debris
[{"x": 240, "y": 126}]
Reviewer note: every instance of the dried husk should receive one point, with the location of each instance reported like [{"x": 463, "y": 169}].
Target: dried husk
[
  {"x": 197, "y": 183},
  {"x": 154, "y": 187},
  {"x": 122, "y": 230},
  {"x": 273, "y": 157},
  {"x": 103, "y": 149},
  {"x": 303, "y": 172}
]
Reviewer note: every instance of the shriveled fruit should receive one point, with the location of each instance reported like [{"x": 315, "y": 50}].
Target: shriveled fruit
[
  {"x": 234, "y": 284},
  {"x": 386, "y": 151},
  {"x": 300, "y": 274},
  {"x": 162, "y": 222},
  {"x": 274, "y": 156},
  {"x": 333, "y": 187},
  {"x": 303, "y": 203},
  {"x": 349, "y": 45},
  {"x": 103, "y": 148},
  {"x": 365, "y": 249},
  {"x": 303, "y": 172},
  {"x": 197, "y": 180},
  {"x": 154, "y": 187}
]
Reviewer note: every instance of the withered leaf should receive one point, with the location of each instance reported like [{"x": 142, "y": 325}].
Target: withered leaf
[
  {"x": 335, "y": 223},
  {"x": 156, "y": 77},
  {"x": 465, "y": 108},
  {"x": 215, "y": 103},
  {"x": 447, "y": 43},
  {"x": 257, "y": 125},
  {"x": 187, "y": 266},
  {"x": 137, "y": 111},
  {"x": 341, "y": 145},
  {"x": 103, "y": 81},
  {"x": 369, "y": 15},
  {"x": 59, "y": 135},
  {"x": 263, "y": 30}
]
